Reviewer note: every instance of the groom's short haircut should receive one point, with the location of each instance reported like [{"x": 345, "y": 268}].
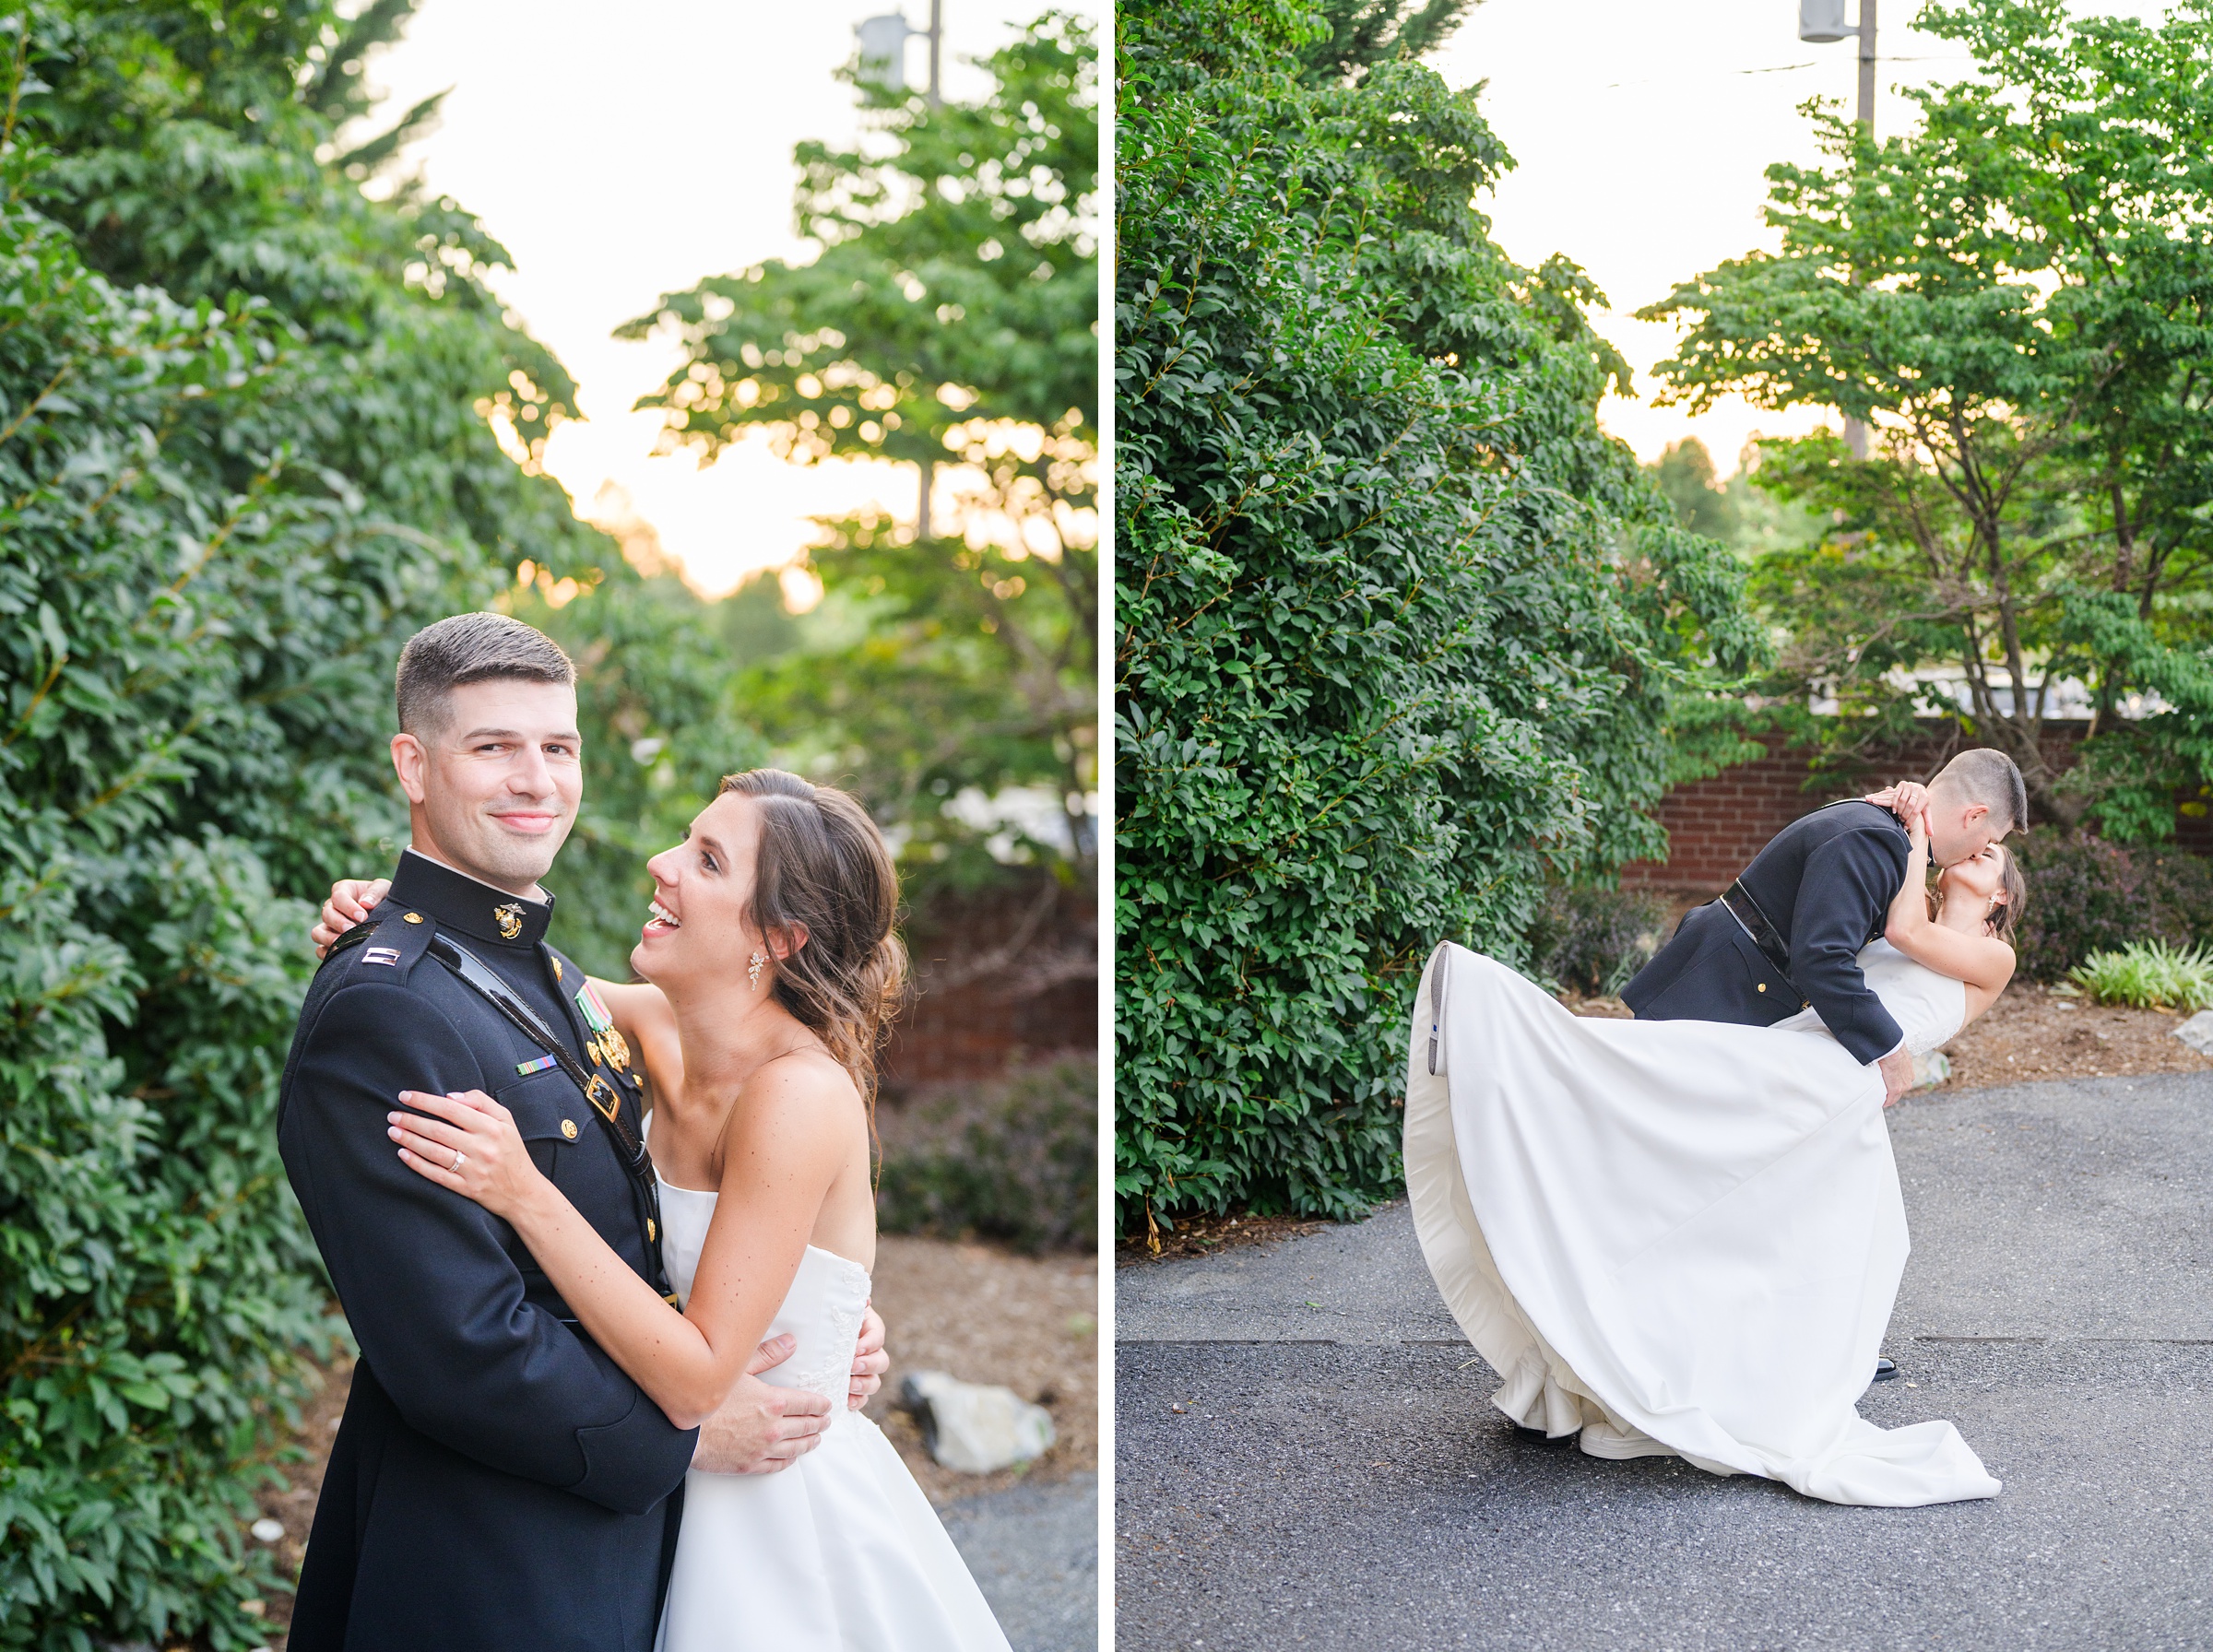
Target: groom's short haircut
[
  {"x": 471, "y": 648},
  {"x": 1990, "y": 778}
]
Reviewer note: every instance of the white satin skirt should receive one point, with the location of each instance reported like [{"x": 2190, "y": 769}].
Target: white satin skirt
[
  {"x": 1676, "y": 1238},
  {"x": 839, "y": 1552}
]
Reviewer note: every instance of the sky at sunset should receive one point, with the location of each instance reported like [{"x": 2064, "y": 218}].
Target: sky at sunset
[
  {"x": 624, "y": 151},
  {"x": 1640, "y": 135}
]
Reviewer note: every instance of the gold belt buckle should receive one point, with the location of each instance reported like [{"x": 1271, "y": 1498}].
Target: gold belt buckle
[{"x": 608, "y": 1108}]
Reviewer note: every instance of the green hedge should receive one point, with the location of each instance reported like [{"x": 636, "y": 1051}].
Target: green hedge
[
  {"x": 1401, "y": 626},
  {"x": 239, "y": 464}
]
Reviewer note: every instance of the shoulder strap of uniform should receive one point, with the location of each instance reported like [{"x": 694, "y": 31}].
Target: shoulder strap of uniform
[{"x": 630, "y": 1147}]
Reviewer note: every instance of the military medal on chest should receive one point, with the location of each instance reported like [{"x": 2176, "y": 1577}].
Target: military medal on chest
[{"x": 605, "y": 1044}]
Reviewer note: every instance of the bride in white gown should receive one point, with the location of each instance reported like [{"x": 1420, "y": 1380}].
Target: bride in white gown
[
  {"x": 771, "y": 965},
  {"x": 1685, "y": 1238}
]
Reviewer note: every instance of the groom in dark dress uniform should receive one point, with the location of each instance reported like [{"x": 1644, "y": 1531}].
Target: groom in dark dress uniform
[
  {"x": 497, "y": 1480},
  {"x": 1787, "y": 934}
]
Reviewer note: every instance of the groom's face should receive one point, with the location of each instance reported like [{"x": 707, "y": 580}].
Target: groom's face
[
  {"x": 1959, "y": 831},
  {"x": 493, "y": 786}
]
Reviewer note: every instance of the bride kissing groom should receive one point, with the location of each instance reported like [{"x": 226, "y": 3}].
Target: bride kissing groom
[
  {"x": 1682, "y": 1234},
  {"x": 596, "y": 1407}
]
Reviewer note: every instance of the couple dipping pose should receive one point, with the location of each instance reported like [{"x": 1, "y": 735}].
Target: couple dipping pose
[
  {"x": 611, "y": 1359},
  {"x": 1678, "y": 1236}
]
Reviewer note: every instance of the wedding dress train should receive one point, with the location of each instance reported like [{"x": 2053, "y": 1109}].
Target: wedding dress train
[
  {"x": 839, "y": 1552},
  {"x": 1675, "y": 1238}
]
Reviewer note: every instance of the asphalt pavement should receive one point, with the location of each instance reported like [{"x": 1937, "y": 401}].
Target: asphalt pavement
[
  {"x": 1307, "y": 1455},
  {"x": 1033, "y": 1549}
]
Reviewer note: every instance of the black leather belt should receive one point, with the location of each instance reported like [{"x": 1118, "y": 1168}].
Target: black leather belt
[{"x": 1764, "y": 934}]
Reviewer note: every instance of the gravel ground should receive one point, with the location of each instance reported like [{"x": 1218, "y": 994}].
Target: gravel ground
[
  {"x": 985, "y": 1316},
  {"x": 1307, "y": 1456}
]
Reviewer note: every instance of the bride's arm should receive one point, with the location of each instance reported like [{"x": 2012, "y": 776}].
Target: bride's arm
[
  {"x": 641, "y": 1013},
  {"x": 1982, "y": 962},
  {"x": 778, "y": 1164}
]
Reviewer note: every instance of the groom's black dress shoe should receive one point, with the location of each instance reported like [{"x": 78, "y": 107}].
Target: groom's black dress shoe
[{"x": 1884, "y": 1370}]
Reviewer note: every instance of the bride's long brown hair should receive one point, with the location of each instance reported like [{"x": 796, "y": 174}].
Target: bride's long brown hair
[{"x": 823, "y": 864}]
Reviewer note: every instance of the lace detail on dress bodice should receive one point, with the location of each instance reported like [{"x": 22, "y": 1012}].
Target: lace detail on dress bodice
[
  {"x": 1928, "y": 1007},
  {"x": 823, "y": 1309}
]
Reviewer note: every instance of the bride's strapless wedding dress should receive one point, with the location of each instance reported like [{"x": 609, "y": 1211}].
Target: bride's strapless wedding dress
[
  {"x": 1675, "y": 1238},
  {"x": 839, "y": 1552}
]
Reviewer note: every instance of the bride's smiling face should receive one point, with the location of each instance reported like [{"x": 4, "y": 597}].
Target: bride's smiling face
[{"x": 697, "y": 928}]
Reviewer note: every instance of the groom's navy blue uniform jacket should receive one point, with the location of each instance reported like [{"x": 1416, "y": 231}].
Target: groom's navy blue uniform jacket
[
  {"x": 1825, "y": 882},
  {"x": 497, "y": 1481}
]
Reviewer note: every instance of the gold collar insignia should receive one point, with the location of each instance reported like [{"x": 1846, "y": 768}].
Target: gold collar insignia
[{"x": 510, "y": 920}]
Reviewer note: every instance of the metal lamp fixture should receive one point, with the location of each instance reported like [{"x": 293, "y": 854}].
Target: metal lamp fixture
[
  {"x": 882, "y": 48},
  {"x": 1822, "y": 21}
]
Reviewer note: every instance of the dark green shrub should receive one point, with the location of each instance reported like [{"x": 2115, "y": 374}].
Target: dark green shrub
[
  {"x": 2087, "y": 895},
  {"x": 1399, "y": 624},
  {"x": 1593, "y": 940},
  {"x": 239, "y": 464},
  {"x": 1016, "y": 1160}
]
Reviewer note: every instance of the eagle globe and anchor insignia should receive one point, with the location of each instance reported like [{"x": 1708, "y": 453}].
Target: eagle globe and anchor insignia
[{"x": 510, "y": 920}]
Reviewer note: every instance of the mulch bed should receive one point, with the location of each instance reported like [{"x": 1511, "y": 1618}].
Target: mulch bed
[
  {"x": 1204, "y": 1235},
  {"x": 2034, "y": 1033},
  {"x": 982, "y": 1313}
]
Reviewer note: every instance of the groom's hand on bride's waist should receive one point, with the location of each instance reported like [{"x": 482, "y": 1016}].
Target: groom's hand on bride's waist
[
  {"x": 762, "y": 1428},
  {"x": 759, "y": 1428},
  {"x": 870, "y": 1362}
]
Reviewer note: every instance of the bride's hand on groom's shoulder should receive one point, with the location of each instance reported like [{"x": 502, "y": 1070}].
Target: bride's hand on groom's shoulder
[{"x": 349, "y": 902}]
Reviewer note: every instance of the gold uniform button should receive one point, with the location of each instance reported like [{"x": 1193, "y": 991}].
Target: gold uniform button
[
  {"x": 412, "y": 917},
  {"x": 568, "y": 1128},
  {"x": 1763, "y": 986},
  {"x": 649, "y": 1232}
]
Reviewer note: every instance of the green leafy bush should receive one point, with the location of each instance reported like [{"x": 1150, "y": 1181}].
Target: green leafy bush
[
  {"x": 1593, "y": 940},
  {"x": 1014, "y": 1159},
  {"x": 239, "y": 465},
  {"x": 2087, "y": 895},
  {"x": 1400, "y": 625},
  {"x": 2148, "y": 975}
]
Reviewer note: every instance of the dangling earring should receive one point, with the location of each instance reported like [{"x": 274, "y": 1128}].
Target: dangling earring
[{"x": 754, "y": 974}]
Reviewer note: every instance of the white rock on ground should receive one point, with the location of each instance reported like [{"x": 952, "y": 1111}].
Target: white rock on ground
[
  {"x": 2198, "y": 1032},
  {"x": 975, "y": 1427}
]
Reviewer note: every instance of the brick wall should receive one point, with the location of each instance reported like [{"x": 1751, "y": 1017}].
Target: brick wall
[
  {"x": 1716, "y": 826},
  {"x": 1002, "y": 978}
]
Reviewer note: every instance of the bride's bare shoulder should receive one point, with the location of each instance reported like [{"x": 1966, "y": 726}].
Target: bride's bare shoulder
[{"x": 800, "y": 1108}]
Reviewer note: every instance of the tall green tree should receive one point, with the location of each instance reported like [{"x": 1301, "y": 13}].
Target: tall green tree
[
  {"x": 2018, "y": 297},
  {"x": 949, "y": 319},
  {"x": 1400, "y": 628},
  {"x": 244, "y": 454}
]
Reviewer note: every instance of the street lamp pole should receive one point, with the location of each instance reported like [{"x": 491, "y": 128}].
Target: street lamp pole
[
  {"x": 1867, "y": 110},
  {"x": 1823, "y": 21},
  {"x": 937, "y": 38}
]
